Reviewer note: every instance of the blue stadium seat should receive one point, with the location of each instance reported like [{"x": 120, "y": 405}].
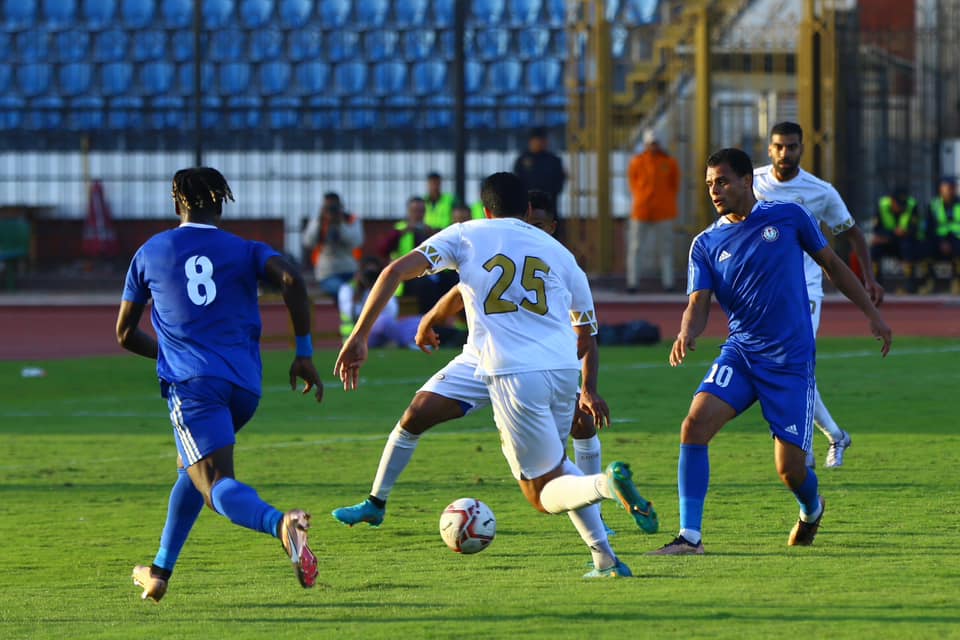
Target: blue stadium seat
[
  {"x": 255, "y": 13},
  {"x": 474, "y": 73},
  {"x": 380, "y": 45},
  {"x": 283, "y": 112},
  {"x": 491, "y": 44},
  {"x": 167, "y": 112},
  {"x": 532, "y": 43},
  {"x": 556, "y": 12},
  {"x": 429, "y": 78},
  {"x": 274, "y": 78},
  {"x": 75, "y": 78},
  {"x": 419, "y": 44},
  {"x": 525, "y": 12},
  {"x": 481, "y": 112},
  {"x": 555, "y": 110},
  {"x": 505, "y": 77},
  {"x": 343, "y": 45},
  {"x": 323, "y": 113},
  {"x": 85, "y": 114},
  {"x": 517, "y": 112},
  {"x": 6, "y": 78},
  {"x": 439, "y": 112},
  {"x": 157, "y": 78},
  {"x": 228, "y": 45},
  {"x": 44, "y": 113},
  {"x": 181, "y": 49},
  {"x": 32, "y": 46},
  {"x": 410, "y": 14},
  {"x": 6, "y": 52},
  {"x": 149, "y": 44},
  {"x": 360, "y": 113},
  {"x": 333, "y": 14},
  {"x": 372, "y": 14},
  {"x": 390, "y": 79},
  {"x": 243, "y": 112},
  {"x": 217, "y": 13},
  {"x": 641, "y": 12},
  {"x": 560, "y": 44},
  {"x": 34, "y": 79},
  {"x": 448, "y": 44},
  {"x": 185, "y": 78},
  {"x": 72, "y": 46},
  {"x": 401, "y": 112},
  {"x": 487, "y": 12},
  {"x": 59, "y": 14},
  {"x": 11, "y": 112},
  {"x": 266, "y": 44},
  {"x": 98, "y": 14},
  {"x": 544, "y": 76},
  {"x": 294, "y": 14},
  {"x": 110, "y": 46},
  {"x": 137, "y": 14},
  {"x": 125, "y": 113},
  {"x": 19, "y": 14},
  {"x": 312, "y": 78},
  {"x": 116, "y": 78},
  {"x": 177, "y": 14},
  {"x": 442, "y": 14},
  {"x": 234, "y": 78},
  {"x": 304, "y": 44},
  {"x": 350, "y": 78}
]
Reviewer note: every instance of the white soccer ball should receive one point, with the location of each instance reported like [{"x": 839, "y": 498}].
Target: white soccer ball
[{"x": 467, "y": 525}]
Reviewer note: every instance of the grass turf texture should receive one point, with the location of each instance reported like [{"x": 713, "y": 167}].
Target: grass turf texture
[{"x": 90, "y": 459}]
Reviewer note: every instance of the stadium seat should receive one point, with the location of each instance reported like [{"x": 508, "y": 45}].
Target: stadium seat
[
  {"x": 19, "y": 14},
  {"x": 429, "y": 78},
  {"x": 312, "y": 78},
  {"x": 505, "y": 77},
  {"x": 555, "y": 110},
  {"x": 149, "y": 44},
  {"x": 390, "y": 79},
  {"x": 343, "y": 45},
  {"x": 137, "y": 14},
  {"x": 125, "y": 113},
  {"x": 473, "y": 76},
  {"x": 6, "y": 78},
  {"x": 116, "y": 78},
  {"x": 333, "y": 14},
  {"x": 44, "y": 113},
  {"x": 532, "y": 43},
  {"x": 448, "y": 44},
  {"x": 556, "y": 12},
  {"x": 517, "y": 112},
  {"x": 234, "y": 78},
  {"x": 410, "y": 14},
  {"x": 612, "y": 11},
  {"x": 182, "y": 48},
  {"x": 75, "y": 78},
  {"x": 85, "y": 113},
  {"x": 419, "y": 44},
  {"x": 544, "y": 76},
  {"x": 6, "y": 53},
  {"x": 217, "y": 14},
  {"x": 185, "y": 77},
  {"x": 481, "y": 112},
  {"x": 639, "y": 12},
  {"x": 11, "y": 112},
  {"x": 33, "y": 79},
  {"x": 486, "y": 12},
  {"x": 255, "y": 14},
  {"x": 177, "y": 14},
  {"x": 350, "y": 78},
  {"x": 71, "y": 46},
  {"x": 442, "y": 14},
  {"x": 98, "y": 14},
  {"x": 157, "y": 78},
  {"x": 32, "y": 46},
  {"x": 525, "y": 12},
  {"x": 274, "y": 78},
  {"x": 266, "y": 44},
  {"x": 372, "y": 14},
  {"x": 400, "y": 112},
  {"x": 59, "y": 14},
  {"x": 304, "y": 44},
  {"x": 110, "y": 46},
  {"x": 166, "y": 112},
  {"x": 491, "y": 44},
  {"x": 228, "y": 45},
  {"x": 323, "y": 113},
  {"x": 380, "y": 45},
  {"x": 294, "y": 14},
  {"x": 360, "y": 113},
  {"x": 439, "y": 112},
  {"x": 283, "y": 112},
  {"x": 560, "y": 44},
  {"x": 243, "y": 112}
]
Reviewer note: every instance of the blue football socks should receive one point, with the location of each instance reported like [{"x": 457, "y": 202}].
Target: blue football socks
[
  {"x": 693, "y": 478},
  {"x": 184, "y": 506},
  {"x": 243, "y": 506},
  {"x": 807, "y": 494}
]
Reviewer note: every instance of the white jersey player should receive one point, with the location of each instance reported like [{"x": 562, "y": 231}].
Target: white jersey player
[
  {"x": 522, "y": 292},
  {"x": 785, "y": 181}
]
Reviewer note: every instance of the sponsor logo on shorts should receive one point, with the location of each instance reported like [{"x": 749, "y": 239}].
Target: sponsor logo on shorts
[{"x": 770, "y": 234}]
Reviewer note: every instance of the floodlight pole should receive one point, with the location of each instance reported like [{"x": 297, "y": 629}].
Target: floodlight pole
[
  {"x": 197, "y": 82},
  {"x": 459, "y": 101}
]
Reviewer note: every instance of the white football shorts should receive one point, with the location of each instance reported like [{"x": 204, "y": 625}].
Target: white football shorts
[
  {"x": 457, "y": 382},
  {"x": 533, "y": 411},
  {"x": 816, "y": 305}
]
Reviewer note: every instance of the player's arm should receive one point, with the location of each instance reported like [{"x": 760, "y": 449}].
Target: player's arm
[
  {"x": 692, "y": 324},
  {"x": 858, "y": 243},
  {"x": 446, "y": 307},
  {"x": 848, "y": 284},
  {"x": 129, "y": 334},
  {"x": 283, "y": 275},
  {"x": 590, "y": 400}
]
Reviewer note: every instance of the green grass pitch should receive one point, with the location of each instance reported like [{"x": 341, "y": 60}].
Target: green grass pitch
[{"x": 89, "y": 459}]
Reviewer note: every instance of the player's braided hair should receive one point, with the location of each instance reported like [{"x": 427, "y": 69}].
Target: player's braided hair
[{"x": 201, "y": 188}]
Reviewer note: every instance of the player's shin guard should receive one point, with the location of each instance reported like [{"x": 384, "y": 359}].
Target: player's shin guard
[
  {"x": 693, "y": 479},
  {"x": 573, "y": 490},
  {"x": 396, "y": 455},
  {"x": 807, "y": 495},
  {"x": 241, "y": 505}
]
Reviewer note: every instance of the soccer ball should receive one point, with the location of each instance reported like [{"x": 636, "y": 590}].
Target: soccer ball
[{"x": 467, "y": 525}]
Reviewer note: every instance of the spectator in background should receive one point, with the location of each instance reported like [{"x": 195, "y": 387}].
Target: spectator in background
[
  {"x": 654, "y": 179},
  {"x": 406, "y": 234},
  {"x": 899, "y": 232},
  {"x": 944, "y": 225},
  {"x": 439, "y": 205},
  {"x": 389, "y": 328},
  {"x": 542, "y": 170},
  {"x": 461, "y": 213},
  {"x": 333, "y": 240}
]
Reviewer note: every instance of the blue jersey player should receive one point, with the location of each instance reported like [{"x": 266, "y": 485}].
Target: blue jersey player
[
  {"x": 203, "y": 282},
  {"x": 751, "y": 258}
]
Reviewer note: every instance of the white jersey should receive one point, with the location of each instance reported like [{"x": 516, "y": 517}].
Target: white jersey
[
  {"x": 819, "y": 197},
  {"x": 522, "y": 290}
]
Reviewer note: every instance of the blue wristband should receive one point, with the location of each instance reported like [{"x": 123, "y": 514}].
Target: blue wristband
[{"x": 304, "y": 346}]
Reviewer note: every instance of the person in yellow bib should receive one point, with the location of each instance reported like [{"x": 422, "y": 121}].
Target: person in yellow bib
[
  {"x": 944, "y": 224},
  {"x": 439, "y": 205},
  {"x": 899, "y": 232}
]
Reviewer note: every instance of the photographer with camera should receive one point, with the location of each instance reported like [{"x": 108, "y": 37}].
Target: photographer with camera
[{"x": 333, "y": 240}]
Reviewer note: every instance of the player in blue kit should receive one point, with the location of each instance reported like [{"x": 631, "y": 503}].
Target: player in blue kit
[
  {"x": 203, "y": 282},
  {"x": 751, "y": 258}
]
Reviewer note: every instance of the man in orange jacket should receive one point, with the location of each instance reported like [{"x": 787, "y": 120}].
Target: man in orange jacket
[{"x": 654, "y": 179}]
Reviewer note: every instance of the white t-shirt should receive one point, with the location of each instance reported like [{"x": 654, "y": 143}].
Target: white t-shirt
[
  {"x": 350, "y": 306},
  {"x": 819, "y": 198},
  {"x": 522, "y": 290}
]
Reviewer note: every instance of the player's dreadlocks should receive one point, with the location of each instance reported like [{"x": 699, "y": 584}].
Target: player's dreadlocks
[{"x": 201, "y": 188}]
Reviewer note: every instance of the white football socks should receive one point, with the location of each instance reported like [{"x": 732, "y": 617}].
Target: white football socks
[
  {"x": 588, "y": 454},
  {"x": 823, "y": 419},
  {"x": 572, "y": 490},
  {"x": 590, "y": 527},
  {"x": 396, "y": 454}
]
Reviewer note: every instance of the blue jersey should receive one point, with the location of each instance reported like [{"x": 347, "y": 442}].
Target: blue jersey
[
  {"x": 203, "y": 282},
  {"x": 755, "y": 269}
]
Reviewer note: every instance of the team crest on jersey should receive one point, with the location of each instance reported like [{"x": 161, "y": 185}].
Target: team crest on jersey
[{"x": 770, "y": 234}]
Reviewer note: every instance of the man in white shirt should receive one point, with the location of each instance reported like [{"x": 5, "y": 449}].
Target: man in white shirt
[
  {"x": 785, "y": 181},
  {"x": 522, "y": 291}
]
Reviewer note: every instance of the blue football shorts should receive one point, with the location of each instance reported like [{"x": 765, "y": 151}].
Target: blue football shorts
[
  {"x": 206, "y": 413},
  {"x": 785, "y": 393}
]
